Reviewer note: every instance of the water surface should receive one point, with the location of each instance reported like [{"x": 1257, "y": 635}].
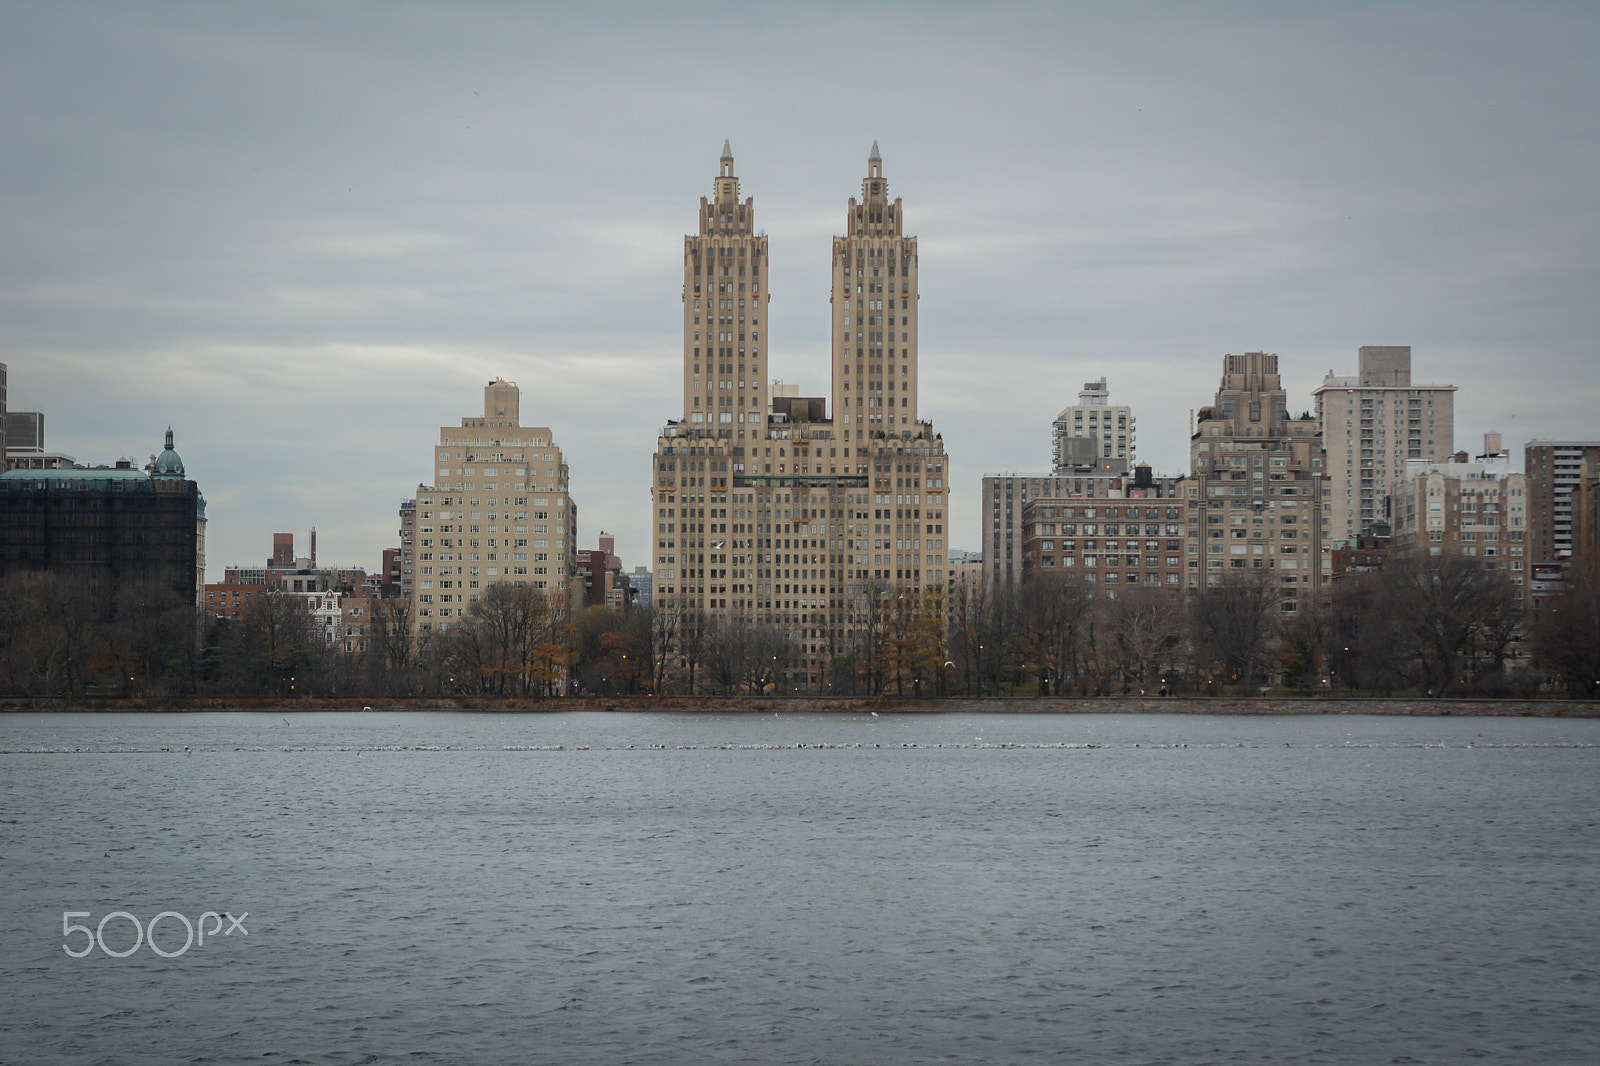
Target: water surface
[{"x": 621, "y": 888}]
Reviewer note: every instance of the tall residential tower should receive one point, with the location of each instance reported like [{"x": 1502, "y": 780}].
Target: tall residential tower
[
  {"x": 1556, "y": 472},
  {"x": 1093, "y": 437},
  {"x": 498, "y": 512},
  {"x": 766, "y": 510},
  {"x": 1255, "y": 497},
  {"x": 875, "y": 314},
  {"x": 1372, "y": 424}
]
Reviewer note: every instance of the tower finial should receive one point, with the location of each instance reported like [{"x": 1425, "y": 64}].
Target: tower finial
[
  {"x": 874, "y": 156},
  {"x": 727, "y": 150}
]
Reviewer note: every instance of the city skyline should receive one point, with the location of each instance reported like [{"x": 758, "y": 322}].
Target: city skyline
[{"x": 296, "y": 239}]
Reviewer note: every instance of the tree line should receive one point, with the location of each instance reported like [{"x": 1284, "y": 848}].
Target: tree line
[{"x": 1438, "y": 626}]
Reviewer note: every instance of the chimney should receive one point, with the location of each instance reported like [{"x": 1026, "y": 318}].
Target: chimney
[{"x": 313, "y": 547}]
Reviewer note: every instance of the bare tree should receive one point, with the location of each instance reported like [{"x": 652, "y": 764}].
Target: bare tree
[
  {"x": 153, "y": 630},
  {"x": 696, "y": 631},
  {"x": 508, "y": 619},
  {"x": 611, "y": 649},
  {"x": 1232, "y": 622},
  {"x": 1566, "y": 630},
  {"x": 1052, "y": 616},
  {"x": 1451, "y": 618},
  {"x": 391, "y": 648},
  {"x": 49, "y": 624},
  {"x": 1349, "y": 634},
  {"x": 870, "y": 629},
  {"x": 1439, "y": 623},
  {"x": 989, "y": 652},
  {"x": 1146, "y": 626},
  {"x": 1302, "y": 638},
  {"x": 664, "y": 628},
  {"x": 727, "y": 647},
  {"x": 770, "y": 653},
  {"x": 273, "y": 649}
]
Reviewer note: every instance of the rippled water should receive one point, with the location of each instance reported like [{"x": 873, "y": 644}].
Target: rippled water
[{"x": 628, "y": 888}]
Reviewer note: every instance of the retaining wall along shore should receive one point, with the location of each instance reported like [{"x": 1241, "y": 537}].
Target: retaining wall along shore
[{"x": 1551, "y": 708}]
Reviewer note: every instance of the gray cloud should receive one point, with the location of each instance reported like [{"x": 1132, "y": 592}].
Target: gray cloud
[{"x": 306, "y": 236}]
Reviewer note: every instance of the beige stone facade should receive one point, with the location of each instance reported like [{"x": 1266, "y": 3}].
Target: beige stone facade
[
  {"x": 1476, "y": 509},
  {"x": 765, "y": 509},
  {"x": 498, "y": 512},
  {"x": 1372, "y": 424},
  {"x": 875, "y": 315},
  {"x": 1256, "y": 488}
]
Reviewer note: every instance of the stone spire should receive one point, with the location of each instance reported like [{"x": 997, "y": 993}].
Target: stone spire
[
  {"x": 874, "y": 154},
  {"x": 727, "y": 150}
]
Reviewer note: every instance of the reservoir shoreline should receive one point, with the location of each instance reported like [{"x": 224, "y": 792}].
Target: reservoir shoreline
[{"x": 1223, "y": 705}]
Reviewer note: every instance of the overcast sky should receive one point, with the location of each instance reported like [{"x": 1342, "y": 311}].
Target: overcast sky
[{"x": 306, "y": 236}]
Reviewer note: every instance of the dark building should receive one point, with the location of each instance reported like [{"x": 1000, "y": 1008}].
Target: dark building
[
  {"x": 391, "y": 572},
  {"x": 1554, "y": 469},
  {"x": 115, "y": 526},
  {"x": 592, "y": 572},
  {"x": 25, "y": 429},
  {"x": 282, "y": 552},
  {"x": 24, "y": 444},
  {"x": 1366, "y": 554}
]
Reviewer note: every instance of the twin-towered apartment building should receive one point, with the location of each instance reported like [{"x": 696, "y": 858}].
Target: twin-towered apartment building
[{"x": 766, "y": 508}]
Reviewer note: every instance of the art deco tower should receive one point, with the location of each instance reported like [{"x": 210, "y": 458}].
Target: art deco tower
[
  {"x": 874, "y": 313},
  {"x": 898, "y": 538},
  {"x": 700, "y": 567},
  {"x": 724, "y": 384},
  {"x": 767, "y": 511},
  {"x": 1256, "y": 486}
]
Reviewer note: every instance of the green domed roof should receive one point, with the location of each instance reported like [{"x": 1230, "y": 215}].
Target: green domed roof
[{"x": 168, "y": 464}]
